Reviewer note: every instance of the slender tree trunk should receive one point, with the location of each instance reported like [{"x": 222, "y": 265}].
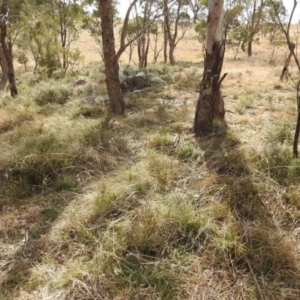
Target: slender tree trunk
[
  {"x": 169, "y": 37},
  {"x": 210, "y": 102},
  {"x": 165, "y": 44},
  {"x": 287, "y": 61},
  {"x": 171, "y": 54},
  {"x": 7, "y": 49},
  {"x": 292, "y": 53},
  {"x": 249, "y": 48},
  {"x": 4, "y": 68},
  {"x": 297, "y": 131},
  {"x": 255, "y": 21},
  {"x": 147, "y": 47},
  {"x": 116, "y": 100}
]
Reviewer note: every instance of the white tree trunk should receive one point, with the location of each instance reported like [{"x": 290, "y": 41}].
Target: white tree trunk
[{"x": 214, "y": 30}]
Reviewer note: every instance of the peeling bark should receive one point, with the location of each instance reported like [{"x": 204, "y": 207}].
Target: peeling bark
[{"x": 210, "y": 103}]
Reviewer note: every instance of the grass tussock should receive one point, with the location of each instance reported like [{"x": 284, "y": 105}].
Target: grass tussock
[
  {"x": 10, "y": 119},
  {"x": 58, "y": 94}
]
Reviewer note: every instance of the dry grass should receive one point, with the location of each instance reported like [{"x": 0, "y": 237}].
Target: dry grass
[{"x": 134, "y": 207}]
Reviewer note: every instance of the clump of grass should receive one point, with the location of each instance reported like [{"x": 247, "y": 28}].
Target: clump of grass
[
  {"x": 292, "y": 197},
  {"x": 92, "y": 111},
  {"x": 186, "y": 152},
  {"x": 270, "y": 101},
  {"x": 278, "y": 86},
  {"x": 142, "y": 187},
  {"x": 293, "y": 170},
  {"x": 165, "y": 169},
  {"x": 244, "y": 102},
  {"x": 102, "y": 138},
  {"x": 54, "y": 160},
  {"x": 188, "y": 79},
  {"x": 9, "y": 120},
  {"x": 275, "y": 161},
  {"x": 58, "y": 94},
  {"x": 281, "y": 133},
  {"x": 272, "y": 256},
  {"x": 161, "y": 142},
  {"x": 93, "y": 89},
  {"x": 41, "y": 163}
]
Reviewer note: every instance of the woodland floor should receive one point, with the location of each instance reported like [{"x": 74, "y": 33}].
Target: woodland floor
[{"x": 101, "y": 207}]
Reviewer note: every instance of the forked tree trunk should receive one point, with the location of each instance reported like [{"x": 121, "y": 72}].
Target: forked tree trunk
[
  {"x": 116, "y": 100},
  {"x": 287, "y": 61},
  {"x": 210, "y": 102},
  {"x": 7, "y": 49}
]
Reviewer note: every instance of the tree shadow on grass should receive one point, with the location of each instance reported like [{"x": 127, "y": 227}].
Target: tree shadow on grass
[
  {"x": 24, "y": 223},
  {"x": 270, "y": 256}
]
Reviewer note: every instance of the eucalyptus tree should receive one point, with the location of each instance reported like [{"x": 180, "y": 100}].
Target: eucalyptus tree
[
  {"x": 156, "y": 33},
  {"x": 142, "y": 20},
  {"x": 234, "y": 29},
  {"x": 51, "y": 27},
  {"x": 270, "y": 24},
  {"x": 198, "y": 8},
  {"x": 176, "y": 23},
  {"x": 253, "y": 15},
  {"x": 111, "y": 58},
  {"x": 68, "y": 14},
  {"x": 110, "y": 55},
  {"x": 210, "y": 103},
  {"x": 92, "y": 22}
]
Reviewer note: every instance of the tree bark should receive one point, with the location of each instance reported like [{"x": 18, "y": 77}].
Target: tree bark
[
  {"x": 116, "y": 100},
  {"x": 4, "y": 68},
  {"x": 210, "y": 102},
  {"x": 171, "y": 54},
  {"x": 165, "y": 42},
  {"x": 287, "y": 61},
  {"x": 7, "y": 49},
  {"x": 249, "y": 48},
  {"x": 297, "y": 131}
]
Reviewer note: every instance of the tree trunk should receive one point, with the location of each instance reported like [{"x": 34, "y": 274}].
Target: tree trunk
[
  {"x": 287, "y": 61},
  {"x": 116, "y": 100},
  {"x": 4, "y": 68},
  {"x": 7, "y": 49},
  {"x": 210, "y": 102},
  {"x": 147, "y": 47},
  {"x": 249, "y": 48},
  {"x": 165, "y": 44},
  {"x": 171, "y": 54}
]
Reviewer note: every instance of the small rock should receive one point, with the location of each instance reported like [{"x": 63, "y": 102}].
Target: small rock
[
  {"x": 140, "y": 81},
  {"x": 156, "y": 81},
  {"x": 130, "y": 72}
]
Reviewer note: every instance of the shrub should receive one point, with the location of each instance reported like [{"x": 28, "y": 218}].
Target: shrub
[
  {"x": 294, "y": 169},
  {"x": 53, "y": 95}
]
